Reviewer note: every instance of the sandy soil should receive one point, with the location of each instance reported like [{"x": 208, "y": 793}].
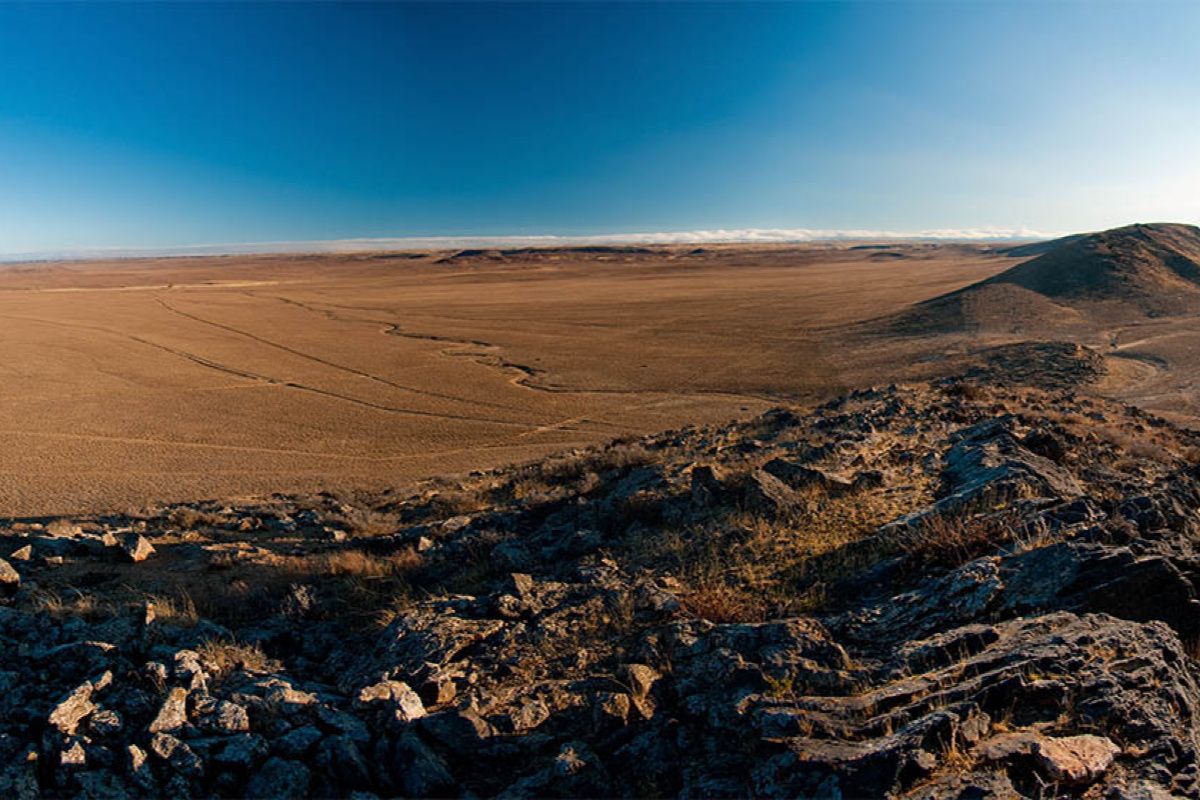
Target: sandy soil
[{"x": 129, "y": 383}]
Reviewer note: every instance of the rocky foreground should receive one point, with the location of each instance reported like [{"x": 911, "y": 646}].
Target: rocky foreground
[{"x": 961, "y": 590}]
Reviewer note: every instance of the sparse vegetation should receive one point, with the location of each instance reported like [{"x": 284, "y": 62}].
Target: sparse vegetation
[
  {"x": 724, "y": 603},
  {"x": 952, "y": 540},
  {"x": 70, "y": 602},
  {"x": 177, "y": 608},
  {"x": 223, "y": 657}
]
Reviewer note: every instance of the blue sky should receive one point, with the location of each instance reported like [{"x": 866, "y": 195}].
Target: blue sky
[{"x": 171, "y": 124}]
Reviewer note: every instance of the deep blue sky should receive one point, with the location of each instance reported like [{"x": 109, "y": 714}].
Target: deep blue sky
[{"x": 168, "y": 124}]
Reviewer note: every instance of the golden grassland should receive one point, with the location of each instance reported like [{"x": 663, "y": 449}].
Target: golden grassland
[{"x": 129, "y": 383}]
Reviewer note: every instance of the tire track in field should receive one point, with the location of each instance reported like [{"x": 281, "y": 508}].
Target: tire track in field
[
  {"x": 460, "y": 348},
  {"x": 527, "y": 374},
  {"x": 501, "y": 445},
  {"x": 332, "y": 364},
  {"x": 255, "y": 376}
]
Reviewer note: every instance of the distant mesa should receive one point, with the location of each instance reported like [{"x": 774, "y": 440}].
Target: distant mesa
[
  {"x": 474, "y": 255},
  {"x": 547, "y": 252},
  {"x": 399, "y": 256},
  {"x": 1136, "y": 271}
]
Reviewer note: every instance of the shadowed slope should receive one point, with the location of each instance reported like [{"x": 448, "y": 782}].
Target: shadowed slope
[
  {"x": 1138, "y": 270},
  {"x": 1156, "y": 267}
]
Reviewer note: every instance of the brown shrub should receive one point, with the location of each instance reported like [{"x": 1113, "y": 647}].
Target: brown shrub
[
  {"x": 223, "y": 657},
  {"x": 722, "y": 603},
  {"x": 967, "y": 391}
]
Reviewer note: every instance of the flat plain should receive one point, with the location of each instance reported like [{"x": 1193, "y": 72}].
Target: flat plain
[{"x": 133, "y": 382}]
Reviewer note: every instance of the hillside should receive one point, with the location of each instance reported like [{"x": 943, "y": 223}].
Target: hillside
[
  {"x": 1156, "y": 267},
  {"x": 960, "y": 589},
  {"x": 1132, "y": 272}
]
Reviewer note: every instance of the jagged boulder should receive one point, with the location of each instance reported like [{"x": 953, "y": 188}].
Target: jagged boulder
[
  {"x": 988, "y": 464},
  {"x": 136, "y": 548}
]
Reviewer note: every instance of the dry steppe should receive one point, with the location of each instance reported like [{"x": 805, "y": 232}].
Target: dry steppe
[
  {"x": 144, "y": 381},
  {"x": 133, "y": 382},
  {"x": 980, "y": 581}
]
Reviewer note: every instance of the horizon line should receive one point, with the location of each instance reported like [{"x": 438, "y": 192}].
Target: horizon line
[{"x": 452, "y": 242}]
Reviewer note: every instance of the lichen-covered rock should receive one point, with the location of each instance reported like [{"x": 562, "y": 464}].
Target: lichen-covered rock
[{"x": 73, "y": 709}]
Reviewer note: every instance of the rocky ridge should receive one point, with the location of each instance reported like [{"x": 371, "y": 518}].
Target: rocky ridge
[{"x": 961, "y": 590}]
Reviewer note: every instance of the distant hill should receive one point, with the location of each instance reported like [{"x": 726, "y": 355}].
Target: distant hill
[
  {"x": 548, "y": 252},
  {"x": 1135, "y": 271},
  {"x": 1031, "y": 249},
  {"x": 1156, "y": 266}
]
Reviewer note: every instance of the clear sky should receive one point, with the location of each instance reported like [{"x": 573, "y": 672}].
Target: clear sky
[{"x": 168, "y": 124}]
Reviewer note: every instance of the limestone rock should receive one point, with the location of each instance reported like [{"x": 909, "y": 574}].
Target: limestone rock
[
  {"x": 172, "y": 714},
  {"x": 136, "y": 547},
  {"x": 10, "y": 579},
  {"x": 1075, "y": 760}
]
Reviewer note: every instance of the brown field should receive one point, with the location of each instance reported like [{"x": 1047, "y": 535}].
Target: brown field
[{"x": 128, "y": 383}]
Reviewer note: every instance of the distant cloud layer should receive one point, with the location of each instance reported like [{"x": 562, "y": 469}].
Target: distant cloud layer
[{"x": 747, "y": 235}]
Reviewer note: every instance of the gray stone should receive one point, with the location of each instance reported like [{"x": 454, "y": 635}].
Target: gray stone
[
  {"x": 279, "y": 779},
  {"x": 298, "y": 742},
  {"x": 177, "y": 754},
  {"x": 395, "y": 696},
  {"x": 242, "y": 751}
]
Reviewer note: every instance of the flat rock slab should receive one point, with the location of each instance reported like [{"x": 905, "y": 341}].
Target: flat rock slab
[{"x": 1075, "y": 760}]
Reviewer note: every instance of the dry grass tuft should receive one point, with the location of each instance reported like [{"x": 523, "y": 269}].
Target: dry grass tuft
[
  {"x": 177, "y": 610},
  {"x": 724, "y": 603},
  {"x": 189, "y": 519},
  {"x": 223, "y": 657},
  {"x": 360, "y": 564},
  {"x": 951, "y": 541},
  {"x": 76, "y": 604},
  {"x": 365, "y": 523},
  {"x": 617, "y": 456}
]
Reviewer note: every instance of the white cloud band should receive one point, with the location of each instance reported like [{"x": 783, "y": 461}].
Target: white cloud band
[{"x": 738, "y": 235}]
